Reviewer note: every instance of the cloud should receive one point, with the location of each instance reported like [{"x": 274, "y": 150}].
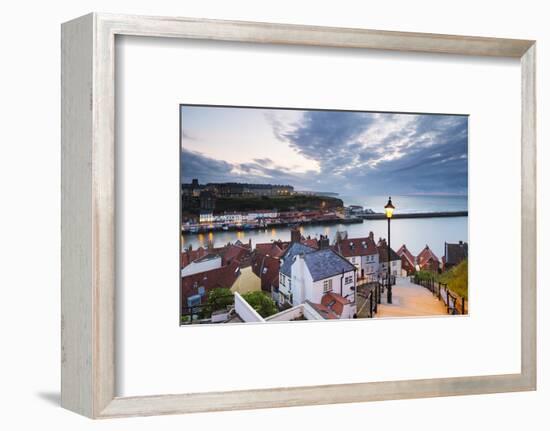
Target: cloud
[
  {"x": 207, "y": 169},
  {"x": 384, "y": 152},
  {"x": 357, "y": 152}
]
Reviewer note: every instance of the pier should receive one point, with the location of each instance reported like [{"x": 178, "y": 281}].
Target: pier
[
  {"x": 217, "y": 227},
  {"x": 382, "y": 216}
]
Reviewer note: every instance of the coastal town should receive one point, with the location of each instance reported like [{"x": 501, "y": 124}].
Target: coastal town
[
  {"x": 304, "y": 277},
  {"x": 211, "y": 207},
  {"x": 236, "y": 206}
]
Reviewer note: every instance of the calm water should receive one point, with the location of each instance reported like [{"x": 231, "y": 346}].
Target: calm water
[
  {"x": 415, "y": 233},
  {"x": 409, "y": 204}
]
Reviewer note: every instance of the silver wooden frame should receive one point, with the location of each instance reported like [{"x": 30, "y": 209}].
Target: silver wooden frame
[{"x": 88, "y": 214}]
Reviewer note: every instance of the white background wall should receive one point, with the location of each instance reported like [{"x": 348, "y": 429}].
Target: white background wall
[{"x": 29, "y": 228}]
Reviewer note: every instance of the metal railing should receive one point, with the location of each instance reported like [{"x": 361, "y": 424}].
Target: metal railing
[
  {"x": 372, "y": 294},
  {"x": 455, "y": 304}
]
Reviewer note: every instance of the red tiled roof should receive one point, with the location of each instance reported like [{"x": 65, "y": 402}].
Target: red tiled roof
[
  {"x": 404, "y": 252},
  {"x": 334, "y": 302},
  {"x": 229, "y": 253},
  {"x": 269, "y": 249},
  {"x": 425, "y": 255},
  {"x": 189, "y": 256},
  {"x": 219, "y": 277},
  {"x": 267, "y": 268},
  {"x": 233, "y": 253},
  {"x": 324, "y": 311},
  {"x": 312, "y": 242},
  {"x": 356, "y": 247}
]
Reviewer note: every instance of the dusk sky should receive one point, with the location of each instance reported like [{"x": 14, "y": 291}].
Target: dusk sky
[{"x": 330, "y": 151}]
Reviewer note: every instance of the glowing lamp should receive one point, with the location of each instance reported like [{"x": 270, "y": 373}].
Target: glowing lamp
[{"x": 389, "y": 209}]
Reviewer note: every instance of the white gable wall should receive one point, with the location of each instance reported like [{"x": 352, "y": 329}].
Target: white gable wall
[
  {"x": 301, "y": 281},
  {"x": 316, "y": 291}
]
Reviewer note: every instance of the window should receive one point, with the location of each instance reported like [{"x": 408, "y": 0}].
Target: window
[
  {"x": 327, "y": 286},
  {"x": 282, "y": 279},
  {"x": 348, "y": 280}
]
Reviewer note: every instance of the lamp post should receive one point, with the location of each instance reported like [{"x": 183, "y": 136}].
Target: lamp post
[{"x": 389, "y": 213}]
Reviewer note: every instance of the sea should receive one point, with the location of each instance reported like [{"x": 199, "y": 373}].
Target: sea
[{"x": 415, "y": 233}]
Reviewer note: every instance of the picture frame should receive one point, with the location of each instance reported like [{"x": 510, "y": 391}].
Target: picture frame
[{"x": 88, "y": 207}]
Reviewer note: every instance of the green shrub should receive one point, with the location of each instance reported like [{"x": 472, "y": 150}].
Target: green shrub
[
  {"x": 259, "y": 301},
  {"x": 218, "y": 299}
]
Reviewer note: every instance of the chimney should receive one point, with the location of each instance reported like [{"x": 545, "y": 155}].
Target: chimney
[
  {"x": 250, "y": 243},
  {"x": 295, "y": 235},
  {"x": 371, "y": 235},
  {"x": 323, "y": 242}
]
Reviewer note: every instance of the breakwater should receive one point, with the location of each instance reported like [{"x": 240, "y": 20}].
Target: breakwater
[{"x": 382, "y": 216}]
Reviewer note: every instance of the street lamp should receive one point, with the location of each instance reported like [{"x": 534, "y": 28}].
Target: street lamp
[{"x": 389, "y": 213}]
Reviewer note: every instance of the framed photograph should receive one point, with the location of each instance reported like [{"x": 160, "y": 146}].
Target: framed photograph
[
  {"x": 266, "y": 238},
  {"x": 246, "y": 206}
]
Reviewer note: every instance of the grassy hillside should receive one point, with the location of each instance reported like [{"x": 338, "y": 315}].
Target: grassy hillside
[{"x": 457, "y": 279}]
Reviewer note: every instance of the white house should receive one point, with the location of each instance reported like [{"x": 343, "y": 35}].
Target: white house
[
  {"x": 362, "y": 253},
  {"x": 285, "y": 280},
  {"x": 322, "y": 278}
]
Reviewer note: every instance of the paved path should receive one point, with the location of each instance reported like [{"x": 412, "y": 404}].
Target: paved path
[{"x": 410, "y": 299}]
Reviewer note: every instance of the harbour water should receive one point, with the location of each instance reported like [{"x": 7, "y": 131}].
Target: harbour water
[{"x": 415, "y": 233}]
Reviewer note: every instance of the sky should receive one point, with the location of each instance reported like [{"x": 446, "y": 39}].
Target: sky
[{"x": 329, "y": 151}]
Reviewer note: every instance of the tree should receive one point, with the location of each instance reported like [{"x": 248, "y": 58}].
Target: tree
[
  {"x": 218, "y": 299},
  {"x": 259, "y": 301}
]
